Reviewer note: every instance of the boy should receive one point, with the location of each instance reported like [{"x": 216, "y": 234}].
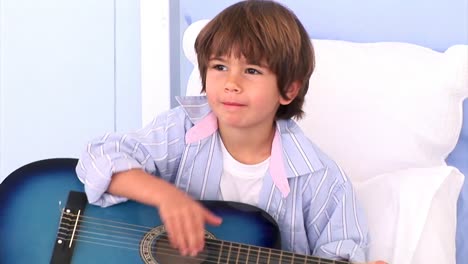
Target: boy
[{"x": 237, "y": 143}]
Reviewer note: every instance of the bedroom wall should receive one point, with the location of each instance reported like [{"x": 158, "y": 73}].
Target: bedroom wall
[{"x": 69, "y": 71}]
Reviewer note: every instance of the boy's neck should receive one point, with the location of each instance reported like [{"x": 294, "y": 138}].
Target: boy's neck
[{"x": 248, "y": 146}]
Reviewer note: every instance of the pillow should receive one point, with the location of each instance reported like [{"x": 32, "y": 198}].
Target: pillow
[
  {"x": 411, "y": 214},
  {"x": 194, "y": 85},
  {"x": 381, "y": 107}
]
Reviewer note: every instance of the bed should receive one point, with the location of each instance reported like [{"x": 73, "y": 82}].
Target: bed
[{"x": 388, "y": 107}]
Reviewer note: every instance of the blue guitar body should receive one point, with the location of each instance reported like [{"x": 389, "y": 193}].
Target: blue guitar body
[
  {"x": 45, "y": 218},
  {"x": 32, "y": 199}
]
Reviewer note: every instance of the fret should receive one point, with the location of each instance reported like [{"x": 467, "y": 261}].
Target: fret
[
  {"x": 237, "y": 247},
  {"x": 258, "y": 256},
  {"x": 248, "y": 254},
  {"x": 212, "y": 252},
  {"x": 287, "y": 257},
  {"x": 228, "y": 258},
  {"x": 274, "y": 256},
  {"x": 220, "y": 249},
  {"x": 263, "y": 255},
  {"x": 252, "y": 254},
  {"x": 270, "y": 259},
  {"x": 223, "y": 252},
  {"x": 242, "y": 253},
  {"x": 325, "y": 261}
]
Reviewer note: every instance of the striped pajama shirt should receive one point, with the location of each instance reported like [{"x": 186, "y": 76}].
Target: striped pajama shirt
[{"x": 305, "y": 191}]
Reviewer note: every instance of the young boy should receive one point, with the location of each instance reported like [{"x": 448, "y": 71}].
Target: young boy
[{"x": 237, "y": 143}]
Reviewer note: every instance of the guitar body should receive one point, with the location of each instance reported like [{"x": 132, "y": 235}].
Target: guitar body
[{"x": 31, "y": 203}]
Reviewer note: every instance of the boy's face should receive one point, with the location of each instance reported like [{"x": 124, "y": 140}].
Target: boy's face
[{"x": 242, "y": 95}]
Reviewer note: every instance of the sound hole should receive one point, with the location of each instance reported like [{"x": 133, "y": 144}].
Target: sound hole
[{"x": 155, "y": 248}]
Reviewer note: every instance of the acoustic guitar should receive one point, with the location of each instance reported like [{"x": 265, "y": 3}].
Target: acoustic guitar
[{"x": 45, "y": 218}]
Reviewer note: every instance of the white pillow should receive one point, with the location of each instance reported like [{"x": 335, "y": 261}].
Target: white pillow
[
  {"x": 381, "y": 107},
  {"x": 194, "y": 85},
  {"x": 412, "y": 214}
]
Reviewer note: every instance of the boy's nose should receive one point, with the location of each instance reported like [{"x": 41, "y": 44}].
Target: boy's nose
[
  {"x": 231, "y": 88},
  {"x": 231, "y": 85}
]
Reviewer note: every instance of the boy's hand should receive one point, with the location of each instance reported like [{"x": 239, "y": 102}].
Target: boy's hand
[
  {"x": 185, "y": 220},
  {"x": 183, "y": 217}
]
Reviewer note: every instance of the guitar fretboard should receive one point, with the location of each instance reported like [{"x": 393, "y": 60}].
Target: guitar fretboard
[{"x": 221, "y": 251}]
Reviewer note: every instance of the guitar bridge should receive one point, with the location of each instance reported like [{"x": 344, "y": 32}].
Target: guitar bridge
[{"x": 68, "y": 228}]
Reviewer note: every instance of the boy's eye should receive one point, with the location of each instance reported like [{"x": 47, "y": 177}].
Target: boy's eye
[
  {"x": 219, "y": 67},
  {"x": 252, "y": 71}
]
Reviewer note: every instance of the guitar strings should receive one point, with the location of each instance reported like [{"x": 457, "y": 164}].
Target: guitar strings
[
  {"x": 214, "y": 242},
  {"x": 132, "y": 234},
  {"x": 274, "y": 252},
  {"x": 202, "y": 256},
  {"x": 205, "y": 257},
  {"x": 244, "y": 257}
]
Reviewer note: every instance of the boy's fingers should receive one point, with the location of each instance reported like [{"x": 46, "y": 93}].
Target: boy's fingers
[
  {"x": 212, "y": 219},
  {"x": 176, "y": 235},
  {"x": 194, "y": 235}
]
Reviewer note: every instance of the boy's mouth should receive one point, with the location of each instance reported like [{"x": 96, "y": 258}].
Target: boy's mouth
[{"x": 232, "y": 104}]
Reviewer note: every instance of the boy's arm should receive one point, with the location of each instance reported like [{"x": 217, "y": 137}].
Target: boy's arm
[
  {"x": 345, "y": 234},
  {"x": 154, "y": 149},
  {"x": 138, "y": 185},
  {"x": 141, "y": 166}
]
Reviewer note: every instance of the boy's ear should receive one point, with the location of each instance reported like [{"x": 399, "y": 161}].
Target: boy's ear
[{"x": 291, "y": 93}]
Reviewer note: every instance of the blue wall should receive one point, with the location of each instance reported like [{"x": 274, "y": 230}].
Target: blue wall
[{"x": 69, "y": 71}]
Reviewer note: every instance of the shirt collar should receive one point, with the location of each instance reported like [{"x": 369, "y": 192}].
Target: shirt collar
[
  {"x": 196, "y": 107},
  {"x": 199, "y": 112},
  {"x": 205, "y": 124}
]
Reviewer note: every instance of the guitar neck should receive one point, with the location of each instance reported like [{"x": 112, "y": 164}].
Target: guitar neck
[{"x": 225, "y": 251}]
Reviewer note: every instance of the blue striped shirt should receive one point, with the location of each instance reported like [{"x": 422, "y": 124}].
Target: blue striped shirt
[{"x": 305, "y": 191}]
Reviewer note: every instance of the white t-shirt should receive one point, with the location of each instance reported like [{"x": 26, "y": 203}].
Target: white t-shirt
[{"x": 241, "y": 182}]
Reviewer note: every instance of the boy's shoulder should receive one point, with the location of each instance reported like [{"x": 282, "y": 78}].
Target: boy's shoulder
[
  {"x": 303, "y": 154},
  {"x": 190, "y": 111},
  {"x": 194, "y": 107}
]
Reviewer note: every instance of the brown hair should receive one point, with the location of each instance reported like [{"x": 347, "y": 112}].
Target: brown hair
[{"x": 261, "y": 31}]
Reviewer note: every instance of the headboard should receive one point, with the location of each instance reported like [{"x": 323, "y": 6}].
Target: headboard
[{"x": 385, "y": 21}]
